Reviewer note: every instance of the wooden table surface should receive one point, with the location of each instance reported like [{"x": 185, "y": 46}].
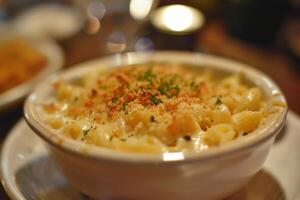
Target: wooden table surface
[{"x": 212, "y": 39}]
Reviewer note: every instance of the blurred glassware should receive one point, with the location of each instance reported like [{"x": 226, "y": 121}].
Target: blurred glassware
[
  {"x": 93, "y": 25},
  {"x": 125, "y": 18},
  {"x": 144, "y": 44},
  {"x": 96, "y": 8},
  {"x": 116, "y": 42},
  {"x": 93, "y": 11},
  {"x": 140, "y": 9}
]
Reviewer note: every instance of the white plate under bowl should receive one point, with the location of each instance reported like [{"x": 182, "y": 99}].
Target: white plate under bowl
[
  {"x": 29, "y": 173},
  {"x": 55, "y": 59}
]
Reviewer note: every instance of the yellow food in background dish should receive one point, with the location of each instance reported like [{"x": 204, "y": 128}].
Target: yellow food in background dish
[
  {"x": 156, "y": 107},
  {"x": 19, "y": 62}
]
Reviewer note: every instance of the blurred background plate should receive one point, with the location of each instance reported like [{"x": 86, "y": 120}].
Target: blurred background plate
[
  {"x": 54, "y": 61},
  {"x": 29, "y": 173},
  {"x": 49, "y": 21}
]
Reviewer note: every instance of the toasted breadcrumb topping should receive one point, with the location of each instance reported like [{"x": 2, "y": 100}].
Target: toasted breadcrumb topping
[{"x": 156, "y": 107}]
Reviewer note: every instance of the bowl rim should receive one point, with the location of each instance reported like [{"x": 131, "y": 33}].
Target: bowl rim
[{"x": 110, "y": 155}]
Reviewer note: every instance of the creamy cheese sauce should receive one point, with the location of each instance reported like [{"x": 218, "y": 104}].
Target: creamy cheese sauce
[{"x": 156, "y": 107}]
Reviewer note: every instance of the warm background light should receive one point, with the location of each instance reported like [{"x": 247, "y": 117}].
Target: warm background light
[
  {"x": 177, "y": 19},
  {"x": 140, "y": 9}
]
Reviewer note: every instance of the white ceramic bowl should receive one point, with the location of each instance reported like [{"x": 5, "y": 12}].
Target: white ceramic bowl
[{"x": 108, "y": 174}]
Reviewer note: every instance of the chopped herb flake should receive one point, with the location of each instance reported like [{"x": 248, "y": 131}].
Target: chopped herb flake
[
  {"x": 166, "y": 87},
  {"x": 124, "y": 106},
  {"x": 152, "y": 118},
  {"x": 154, "y": 100},
  {"x": 123, "y": 139},
  {"x": 75, "y": 98},
  {"x": 218, "y": 101},
  {"x": 114, "y": 99},
  {"x": 102, "y": 87},
  {"x": 176, "y": 88},
  {"x": 147, "y": 76},
  {"x": 187, "y": 138},
  {"x": 85, "y": 132},
  {"x": 193, "y": 85},
  {"x": 245, "y": 133}
]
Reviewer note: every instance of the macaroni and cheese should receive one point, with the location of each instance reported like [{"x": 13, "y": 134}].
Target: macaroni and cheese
[{"x": 157, "y": 107}]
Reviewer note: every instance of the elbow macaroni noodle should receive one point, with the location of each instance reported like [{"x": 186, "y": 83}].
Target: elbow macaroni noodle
[{"x": 157, "y": 107}]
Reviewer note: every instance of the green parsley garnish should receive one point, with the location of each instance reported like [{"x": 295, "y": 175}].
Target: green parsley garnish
[
  {"x": 76, "y": 98},
  {"x": 103, "y": 87},
  {"x": 166, "y": 86},
  {"x": 193, "y": 85},
  {"x": 114, "y": 99},
  {"x": 176, "y": 88},
  {"x": 154, "y": 100},
  {"x": 124, "y": 105},
  {"x": 147, "y": 76},
  {"x": 123, "y": 139},
  {"x": 86, "y": 131},
  {"x": 218, "y": 101},
  {"x": 111, "y": 138}
]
